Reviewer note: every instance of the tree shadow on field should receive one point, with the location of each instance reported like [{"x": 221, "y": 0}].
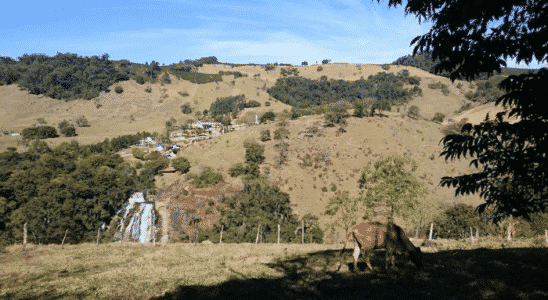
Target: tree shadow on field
[{"x": 516, "y": 273}]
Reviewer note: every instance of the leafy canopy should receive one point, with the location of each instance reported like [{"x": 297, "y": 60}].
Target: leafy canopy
[{"x": 473, "y": 37}]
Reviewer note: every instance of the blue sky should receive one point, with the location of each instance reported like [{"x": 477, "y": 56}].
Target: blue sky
[{"x": 247, "y": 31}]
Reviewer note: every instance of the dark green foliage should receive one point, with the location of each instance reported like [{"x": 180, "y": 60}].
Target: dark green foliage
[
  {"x": 265, "y": 135},
  {"x": 67, "y": 129},
  {"x": 53, "y": 190},
  {"x": 181, "y": 164},
  {"x": 438, "y": 117},
  {"x": 236, "y": 74},
  {"x": 258, "y": 204},
  {"x": 304, "y": 63},
  {"x": 413, "y": 112},
  {"x": 270, "y": 67},
  {"x": 228, "y": 105},
  {"x": 148, "y": 90},
  {"x": 285, "y": 72},
  {"x": 140, "y": 79},
  {"x": 66, "y": 76},
  {"x": 267, "y": 103},
  {"x": 269, "y": 115},
  {"x": 119, "y": 89},
  {"x": 335, "y": 116},
  {"x": 253, "y": 103},
  {"x": 225, "y": 120},
  {"x": 40, "y": 132},
  {"x": 319, "y": 69},
  {"x": 165, "y": 78},
  {"x": 359, "y": 110},
  {"x": 326, "y": 61},
  {"x": 207, "y": 178},
  {"x": 455, "y": 223},
  {"x": 385, "y": 67},
  {"x": 138, "y": 153},
  {"x": 186, "y": 109},
  {"x": 82, "y": 122},
  {"x": 404, "y": 73},
  {"x": 236, "y": 170},
  {"x": 512, "y": 177},
  {"x": 383, "y": 89},
  {"x": 323, "y": 78},
  {"x": 486, "y": 91}
]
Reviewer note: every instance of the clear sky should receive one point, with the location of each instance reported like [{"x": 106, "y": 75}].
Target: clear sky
[{"x": 244, "y": 31}]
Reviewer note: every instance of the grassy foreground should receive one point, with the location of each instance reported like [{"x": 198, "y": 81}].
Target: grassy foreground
[{"x": 455, "y": 270}]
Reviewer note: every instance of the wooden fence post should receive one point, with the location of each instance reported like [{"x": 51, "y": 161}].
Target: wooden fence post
[
  {"x": 257, "y": 239},
  {"x": 279, "y": 234},
  {"x": 302, "y": 235},
  {"x": 471, "y": 235},
  {"x": 98, "y": 234},
  {"x": 25, "y": 236},
  {"x": 62, "y": 243},
  {"x": 221, "y": 239}
]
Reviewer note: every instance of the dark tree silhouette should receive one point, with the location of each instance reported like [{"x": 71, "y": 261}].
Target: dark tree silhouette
[{"x": 512, "y": 178}]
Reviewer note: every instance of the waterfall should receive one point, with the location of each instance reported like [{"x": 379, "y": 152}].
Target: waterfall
[{"x": 142, "y": 220}]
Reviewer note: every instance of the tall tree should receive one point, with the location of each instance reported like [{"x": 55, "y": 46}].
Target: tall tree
[{"x": 471, "y": 37}]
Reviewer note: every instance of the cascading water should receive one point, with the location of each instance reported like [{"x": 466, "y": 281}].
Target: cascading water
[{"x": 141, "y": 219}]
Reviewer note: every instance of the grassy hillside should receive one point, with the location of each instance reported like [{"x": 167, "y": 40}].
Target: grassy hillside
[{"x": 367, "y": 139}]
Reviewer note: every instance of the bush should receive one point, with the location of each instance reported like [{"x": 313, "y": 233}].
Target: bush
[
  {"x": 265, "y": 135},
  {"x": 207, "y": 178},
  {"x": 413, "y": 112},
  {"x": 253, "y": 103},
  {"x": 82, "y": 122},
  {"x": 186, "y": 109},
  {"x": 236, "y": 170},
  {"x": 181, "y": 164},
  {"x": 438, "y": 117},
  {"x": 140, "y": 79},
  {"x": 267, "y": 103},
  {"x": 320, "y": 68},
  {"x": 119, "y": 89},
  {"x": 40, "y": 132},
  {"x": 385, "y": 67},
  {"x": 138, "y": 153},
  {"x": 67, "y": 129},
  {"x": 269, "y": 115},
  {"x": 148, "y": 90},
  {"x": 404, "y": 73}
]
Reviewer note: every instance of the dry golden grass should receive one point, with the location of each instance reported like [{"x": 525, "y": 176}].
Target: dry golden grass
[
  {"x": 367, "y": 139},
  {"x": 249, "y": 271}
]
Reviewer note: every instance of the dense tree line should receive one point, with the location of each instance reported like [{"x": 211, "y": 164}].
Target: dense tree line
[
  {"x": 386, "y": 89},
  {"x": 230, "y": 105},
  {"x": 66, "y": 187},
  {"x": 64, "y": 76}
]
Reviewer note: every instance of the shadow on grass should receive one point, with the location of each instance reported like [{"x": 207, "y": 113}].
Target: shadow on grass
[
  {"x": 511, "y": 273},
  {"x": 518, "y": 273}
]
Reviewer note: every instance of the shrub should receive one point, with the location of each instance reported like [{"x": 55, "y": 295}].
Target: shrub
[
  {"x": 138, "y": 153},
  {"x": 181, "y": 164},
  {"x": 140, "y": 79},
  {"x": 206, "y": 178},
  {"x": 323, "y": 78},
  {"x": 385, "y": 67},
  {"x": 236, "y": 170},
  {"x": 404, "y": 73},
  {"x": 459, "y": 85},
  {"x": 119, "y": 89},
  {"x": 67, "y": 129},
  {"x": 40, "y": 132},
  {"x": 413, "y": 112},
  {"x": 438, "y": 117},
  {"x": 445, "y": 91},
  {"x": 265, "y": 135},
  {"x": 41, "y": 121},
  {"x": 320, "y": 68},
  {"x": 186, "y": 109},
  {"x": 253, "y": 103},
  {"x": 269, "y": 115},
  {"x": 324, "y": 189},
  {"x": 82, "y": 122},
  {"x": 267, "y": 103},
  {"x": 148, "y": 90},
  {"x": 184, "y": 94}
]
